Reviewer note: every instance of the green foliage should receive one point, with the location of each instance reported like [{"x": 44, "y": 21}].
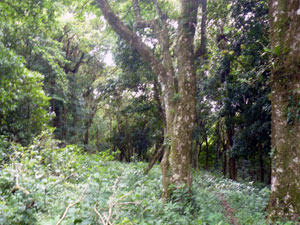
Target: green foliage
[
  {"x": 55, "y": 176},
  {"x": 109, "y": 155},
  {"x": 51, "y": 177},
  {"x": 234, "y": 111},
  {"x": 56, "y": 49},
  {"x": 23, "y": 102}
]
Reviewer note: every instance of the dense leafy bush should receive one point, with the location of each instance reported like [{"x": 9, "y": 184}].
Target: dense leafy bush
[
  {"x": 23, "y": 102},
  {"x": 41, "y": 181}
]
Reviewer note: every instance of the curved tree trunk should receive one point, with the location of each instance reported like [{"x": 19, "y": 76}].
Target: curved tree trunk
[
  {"x": 285, "y": 86},
  {"x": 178, "y": 92}
]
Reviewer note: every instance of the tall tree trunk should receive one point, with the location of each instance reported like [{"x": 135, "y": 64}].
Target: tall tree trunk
[
  {"x": 86, "y": 135},
  {"x": 64, "y": 121},
  {"x": 207, "y": 153},
  {"x": 217, "y": 152},
  {"x": 178, "y": 92},
  {"x": 285, "y": 86},
  {"x": 232, "y": 168},
  {"x": 225, "y": 164},
  {"x": 198, "y": 157},
  {"x": 97, "y": 138},
  {"x": 261, "y": 167},
  {"x": 232, "y": 160},
  {"x": 176, "y": 166},
  {"x": 195, "y": 161}
]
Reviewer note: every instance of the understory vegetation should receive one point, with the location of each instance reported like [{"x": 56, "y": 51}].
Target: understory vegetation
[{"x": 45, "y": 184}]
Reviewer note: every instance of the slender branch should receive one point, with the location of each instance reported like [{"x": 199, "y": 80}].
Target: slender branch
[
  {"x": 137, "y": 9},
  {"x": 71, "y": 205},
  {"x": 163, "y": 16},
  {"x": 156, "y": 157},
  {"x": 112, "y": 198},
  {"x": 18, "y": 187},
  {"x": 140, "y": 23},
  {"x": 77, "y": 65},
  {"x": 101, "y": 219},
  {"x": 113, "y": 201}
]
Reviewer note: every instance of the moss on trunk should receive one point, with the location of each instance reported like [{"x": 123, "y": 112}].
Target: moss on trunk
[{"x": 285, "y": 85}]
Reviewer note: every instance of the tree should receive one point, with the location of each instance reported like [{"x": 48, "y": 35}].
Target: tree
[
  {"x": 174, "y": 68},
  {"x": 285, "y": 80},
  {"x": 23, "y": 102},
  {"x": 235, "y": 83}
]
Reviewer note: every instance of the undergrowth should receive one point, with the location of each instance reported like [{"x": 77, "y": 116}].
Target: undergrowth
[{"x": 38, "y": 183}]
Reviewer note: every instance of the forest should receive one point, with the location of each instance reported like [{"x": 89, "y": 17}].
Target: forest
[{"x": 163, "y": 112}]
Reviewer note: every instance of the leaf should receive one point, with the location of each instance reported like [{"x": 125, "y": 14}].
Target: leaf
[{"x": 277, "y": 50}]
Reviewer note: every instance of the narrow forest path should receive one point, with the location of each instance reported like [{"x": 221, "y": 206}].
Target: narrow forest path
[{"x": 229, "y": 212}]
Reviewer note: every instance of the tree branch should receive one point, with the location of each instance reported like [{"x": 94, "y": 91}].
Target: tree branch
[
  {"x": 113, "y": 201},
  {"x": 201, "y": 51},
  {"x": 77, "y": 65},
  {"x": 71, "y": 205},
  {"x": 137, "y": 10},
  {"x": 155, "y": 158},
  {"x": 140, "y": 23},
  {"x": 133, "y": 40},
  {"x": 18, "y": 187},
  {"x": 162, "y": 16},
  {"x": 101, "y": 219}
]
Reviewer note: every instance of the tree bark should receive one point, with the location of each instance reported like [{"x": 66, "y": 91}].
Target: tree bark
[
  {"x": 195, "y": 161},
  {"x": 285, "y": 85},
  {"x": 86, "y": 135},
  {"x": 232, "y": 168},
  {"x": 178, "y": 94},
  {"x": 225, "y": 163},
  {"x": 261, "y": 167},
  {"x": 207, "y": 153}
]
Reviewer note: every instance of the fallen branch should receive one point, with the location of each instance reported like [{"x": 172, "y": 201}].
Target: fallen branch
[
  {"x": 18, "y": 187},
  {"x": 112, "y": 202},
  {"x": 101, "y": 219},
  {"x": 71, "y": 205},
  {"x": 156, "y": 157},
  {"x": 17, "y": 175}
]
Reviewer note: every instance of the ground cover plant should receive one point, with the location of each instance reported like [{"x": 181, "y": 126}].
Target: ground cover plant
[{"x": 46, "y": 184}]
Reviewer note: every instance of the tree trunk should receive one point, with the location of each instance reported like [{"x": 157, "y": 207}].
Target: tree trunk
[
  {"x": 195, "y": 161},
  {"x": 232, "y": 168},
  {"x": 176, "y": 166},
  {"x": 88, "y": 125},
  {"x": 86, "y": 135},
  {"x": 261, "y": 167},
  {"x": 232, "y": 160},
  {"x": 97, "y": 138},
  {"x": 64, "y": 121},
  {"x": 207, "y": 154},
  {"x": 224, "y": 161},
  {"x": 198, "y": 156},
  {"x": 178, "y": 92},
  {"x": 285, "y": 85}
]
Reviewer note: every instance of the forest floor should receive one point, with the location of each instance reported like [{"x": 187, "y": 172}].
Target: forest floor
[{"x": 85, "y": 189}]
